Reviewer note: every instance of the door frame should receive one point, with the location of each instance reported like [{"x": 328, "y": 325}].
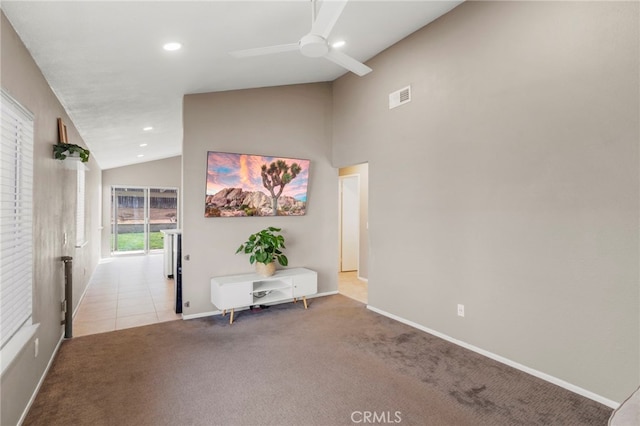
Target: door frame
[{"x": 146, "y": 227}]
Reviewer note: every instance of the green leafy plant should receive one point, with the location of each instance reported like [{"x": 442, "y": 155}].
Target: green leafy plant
[
  {"x": 62, "y": 150},
  {"x": 264, "y": 247}
]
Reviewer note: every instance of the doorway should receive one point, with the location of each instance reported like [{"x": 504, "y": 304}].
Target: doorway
[
  {"x": 349, "y": 222},
  {"x": 138, "y": 214},
  {"x": 353, "y": 231}
]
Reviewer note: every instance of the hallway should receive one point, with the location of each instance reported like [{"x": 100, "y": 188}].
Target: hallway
[
  {"x": 131, "y": 291},
  {"x": 124, "y": 292},
  {"x": 350, "y": 286}
]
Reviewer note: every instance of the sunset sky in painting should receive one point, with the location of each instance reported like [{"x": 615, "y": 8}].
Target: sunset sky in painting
[{"x": 225, "y": 170}]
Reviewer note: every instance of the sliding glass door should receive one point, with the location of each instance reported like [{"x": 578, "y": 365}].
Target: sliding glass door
[
  {"x": 163, "y": 214},
  {"x": 138, "y": 216}
]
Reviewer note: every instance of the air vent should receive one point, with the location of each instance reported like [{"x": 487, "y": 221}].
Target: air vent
[{"x": 400, "y": 97}]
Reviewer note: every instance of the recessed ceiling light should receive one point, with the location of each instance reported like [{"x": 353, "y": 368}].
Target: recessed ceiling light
[
  {"x": 143, "y": 144},
  {"x": 146, "y": 129},
  {"x": 172, "y": 46},
  {"x": 339, "y": 43},
  {"x": 140, "y": 155}
]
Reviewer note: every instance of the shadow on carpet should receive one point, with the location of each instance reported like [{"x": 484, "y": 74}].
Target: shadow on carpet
[{"x": 336, "y": 363}]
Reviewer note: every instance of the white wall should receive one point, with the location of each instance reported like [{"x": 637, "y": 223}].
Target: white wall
[
  {"x": 54, "y": 207},
  {"x": 509, "y": 183},
  {"x": 290, "y": 121}
]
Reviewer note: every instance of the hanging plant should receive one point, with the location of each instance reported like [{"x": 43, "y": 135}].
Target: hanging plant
[{"x": 63, "y": 150}]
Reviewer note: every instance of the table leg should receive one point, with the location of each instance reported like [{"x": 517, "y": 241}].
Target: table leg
[{"x": 304, "y": 299}]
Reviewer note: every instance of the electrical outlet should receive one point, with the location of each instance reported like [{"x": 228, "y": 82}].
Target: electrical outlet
[
  {"x": 36, "y": 347},
  {"x": 187, "y": 304},
  {"x": 460, "y": 310}
]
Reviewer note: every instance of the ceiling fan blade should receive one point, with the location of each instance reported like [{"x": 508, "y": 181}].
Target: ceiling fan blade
[
  {"x": 348, "y": 62},
  {"x": 259, "y": 51},
  {"x": 327, "y": 17}
]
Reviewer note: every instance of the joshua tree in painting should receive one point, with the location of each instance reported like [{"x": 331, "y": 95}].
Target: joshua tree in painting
[{"x": 278, "y": 175}]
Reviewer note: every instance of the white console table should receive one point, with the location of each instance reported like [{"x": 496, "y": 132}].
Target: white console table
[{"x": 238, "y": 291}]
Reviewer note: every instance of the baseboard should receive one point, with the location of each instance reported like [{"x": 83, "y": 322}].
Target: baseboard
[
  {"x": 210, "y": 313},
  {"x": 41, "y": 381},
  {"x": 75, "y": 311},
  {"x": 199, "y": 315},
  {"x": 539, "y": 374},
  {"x": 326, "y": 293},
  {"x": 363, "y": 279}
]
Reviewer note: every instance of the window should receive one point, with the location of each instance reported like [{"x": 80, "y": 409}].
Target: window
[
  {"x": 16, "y": 221},
  {"x": 80, "y": 235}
]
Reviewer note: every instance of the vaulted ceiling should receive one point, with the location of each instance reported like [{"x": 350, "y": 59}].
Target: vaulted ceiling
[{"x": 105, "y": 60}]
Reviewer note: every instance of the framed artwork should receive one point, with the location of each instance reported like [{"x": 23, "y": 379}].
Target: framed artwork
[{"x": 255, "y": 185}]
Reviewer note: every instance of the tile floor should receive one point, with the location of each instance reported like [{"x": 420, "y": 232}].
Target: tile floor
[
  {"x": 124, "y": 292},
  {"x": 131, "y": 291},
  {"x": 351, "y": 286}
]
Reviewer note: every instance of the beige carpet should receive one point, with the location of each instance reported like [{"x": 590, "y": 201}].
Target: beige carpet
[{"x": 333, "y": 364}]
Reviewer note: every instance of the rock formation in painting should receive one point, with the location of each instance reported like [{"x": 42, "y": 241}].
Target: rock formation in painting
[{"x": 236, "y": 202}]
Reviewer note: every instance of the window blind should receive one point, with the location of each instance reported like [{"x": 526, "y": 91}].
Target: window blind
[{"x": 16, "y": 218}]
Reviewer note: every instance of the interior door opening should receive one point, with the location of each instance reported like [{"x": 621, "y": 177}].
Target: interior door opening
[
  {"x": 349, "y": 222},
  {"x": 353, "y": 232},
  {"x": 138, "y": 216}
]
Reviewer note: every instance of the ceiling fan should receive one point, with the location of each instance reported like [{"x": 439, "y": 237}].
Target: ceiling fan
[{"x": 314, "y": 44}]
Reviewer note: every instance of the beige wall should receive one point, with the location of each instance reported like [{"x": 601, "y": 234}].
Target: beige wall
[
  {"x": 509, "y": 183},
  {"x": 54, "y": 215},
  {"x": 166, "y": 173},
  {"x": 514, "y": 172},
  {"x": 362, "y": 171},
  {"x": 290, "y": 121}
]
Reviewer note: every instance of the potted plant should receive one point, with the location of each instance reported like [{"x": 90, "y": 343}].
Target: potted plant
[
  {"x": 264, "y": 248},
  {"x": 63, "y": 150}
]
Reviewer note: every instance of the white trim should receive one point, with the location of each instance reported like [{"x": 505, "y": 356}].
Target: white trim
[
  {"x": 8, "y": 98},
  {"x": 40, "y": 382},
  {"x": 363, "y": 278},
  {"x": 326, "y": 293},
  {"x": 199, "y": 315},
  {"x": 81, "y": 209},
  {"x": 146, "y": 190},
  {"x": 539, "y": 374},
  {"x": 16, "y": 345},
  {"x": 75, "y": 311},
  {"x": 211, "y": 313}
]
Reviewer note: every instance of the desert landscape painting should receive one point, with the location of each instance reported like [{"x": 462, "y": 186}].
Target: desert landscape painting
[{"x": 255, "y": 185}]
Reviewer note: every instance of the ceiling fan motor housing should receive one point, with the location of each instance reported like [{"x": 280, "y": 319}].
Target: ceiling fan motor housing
[{"x": 313, "y": 46}]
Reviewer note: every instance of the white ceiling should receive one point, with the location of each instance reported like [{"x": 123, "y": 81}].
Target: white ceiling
[{"x": 105, "y": 62}]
